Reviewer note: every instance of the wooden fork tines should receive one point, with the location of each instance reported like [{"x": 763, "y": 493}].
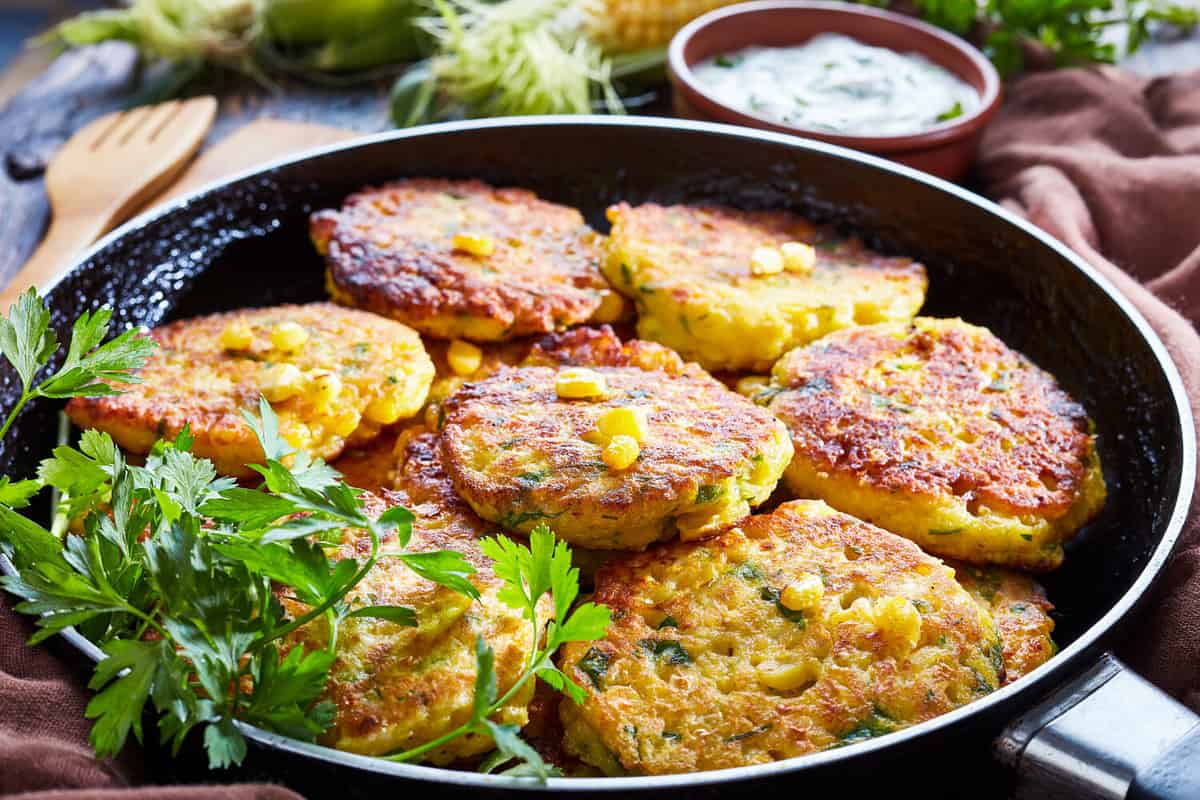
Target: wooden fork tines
[{"x": 104, "y": 173}]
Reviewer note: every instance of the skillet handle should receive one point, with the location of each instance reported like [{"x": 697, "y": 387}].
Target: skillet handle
[{"x": 1106, "y": 734}]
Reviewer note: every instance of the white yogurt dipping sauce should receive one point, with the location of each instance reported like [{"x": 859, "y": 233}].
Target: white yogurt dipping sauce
[{"x": 838, "y": 84}]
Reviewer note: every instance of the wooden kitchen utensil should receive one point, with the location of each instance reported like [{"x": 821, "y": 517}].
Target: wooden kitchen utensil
[{"x": 107, "y": 171}]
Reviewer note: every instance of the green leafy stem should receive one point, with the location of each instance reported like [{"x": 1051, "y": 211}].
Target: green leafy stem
[
  {"x": 528, "y": 575},
  {"x": 179, "y": 575}
]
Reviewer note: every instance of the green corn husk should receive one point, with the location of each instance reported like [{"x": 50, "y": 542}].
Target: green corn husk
[
  {"x": 305, "y": 35},
  {"x": 345, "y": 35},
  {"x": 214, "y": 31},
  {"x": 311, "y": 22}
]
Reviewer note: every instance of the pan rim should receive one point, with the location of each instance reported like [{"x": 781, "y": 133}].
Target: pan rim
[{"x": 1044, "y": 676}]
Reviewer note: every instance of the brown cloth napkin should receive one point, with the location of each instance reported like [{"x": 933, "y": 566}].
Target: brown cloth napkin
[
  {"x": 1110, "y": 164},
  {"x": 44, "y": 751}
]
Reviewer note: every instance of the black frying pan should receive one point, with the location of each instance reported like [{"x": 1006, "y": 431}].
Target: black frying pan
[{"x": 244, "y": 242}]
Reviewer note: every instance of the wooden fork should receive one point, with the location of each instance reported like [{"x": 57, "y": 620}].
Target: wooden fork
[{"x": 104, "y": 173}]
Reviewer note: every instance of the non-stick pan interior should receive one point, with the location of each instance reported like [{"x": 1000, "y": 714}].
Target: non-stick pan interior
[{"x": 246, "y": 244}]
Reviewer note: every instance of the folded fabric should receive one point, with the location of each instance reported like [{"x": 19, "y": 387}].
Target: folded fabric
[
  {"x": 44, "y": 750},
  {"x": 1110, "y": 164}
]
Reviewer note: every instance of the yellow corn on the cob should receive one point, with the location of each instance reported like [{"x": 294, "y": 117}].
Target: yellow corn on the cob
[{"x": 627, "y": 25}]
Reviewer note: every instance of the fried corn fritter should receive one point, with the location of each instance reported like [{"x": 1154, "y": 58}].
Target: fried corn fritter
[
  {"x": 334, "y": 376},
  {"x": 463, "y": 259},
  {"x": 373, "y": 465},
  {"x": 396, "y": 687},
  {"x": 1021, "y": 612},
  {"x": 418, "y": 468},
  {"x": 937, "y": 431},
  {"x": 691, "y": 272},
  {"x": 521, "y": 454},
  {"x": 424, "y": 478},
  {"x": 798, "y": 631}
]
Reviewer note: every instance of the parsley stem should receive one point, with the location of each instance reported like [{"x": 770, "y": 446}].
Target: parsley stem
[
  {"x": 147, "y": 620},
  {"x": 408, "y": 755},
  {"x": 537, "y": 660},
  {"x": 521, "y": 681},
  {"x": 330, "y": 601},
  {"x": 141, "y": 631},
  {"x": 12, "y": 415},
  {"x": 331, "y": 619},
  {"x": 419, "y": 750}
]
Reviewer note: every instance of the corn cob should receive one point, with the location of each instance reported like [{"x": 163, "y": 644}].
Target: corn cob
[{"x": 627, "y": 25}]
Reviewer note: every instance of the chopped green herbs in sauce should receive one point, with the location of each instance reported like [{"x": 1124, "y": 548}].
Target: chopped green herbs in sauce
[
  {"x": 708, "y": 493},
  {"x": 838, "y": 84},
  {"x": 953, "y": 112}
]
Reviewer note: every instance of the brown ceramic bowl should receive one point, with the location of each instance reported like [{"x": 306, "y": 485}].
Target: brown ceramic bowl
[{"x": 945, "y": 150}]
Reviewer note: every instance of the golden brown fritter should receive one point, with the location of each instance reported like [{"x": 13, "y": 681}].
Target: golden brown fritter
[
  {"x": 419, "y": 470},
  {"x": 373, "y": 466},
  {"x": 393, "y": 250},
  {"x": 423, "y": 477},
  {"x": 334, "y": 376},
  {"x": 798, "y": 631},
  {"x": 1021, "y": 611},
  {"x": 689, "y": 272},
  {"x": 597, "y": 346},
  {"x": 522, "y": 455},
  {"x": 397, "y": 687},
  {"x": 937, "y": 431}
]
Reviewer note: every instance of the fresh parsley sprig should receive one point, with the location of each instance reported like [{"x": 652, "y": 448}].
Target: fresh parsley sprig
[
  {"x": 177, "y": 574},
  {"x": 90, "y": 368},
  {"x": 1073, "y": 32},
  {"x": 528, "y": 575},
  {"x": 177, "y": 577}
]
